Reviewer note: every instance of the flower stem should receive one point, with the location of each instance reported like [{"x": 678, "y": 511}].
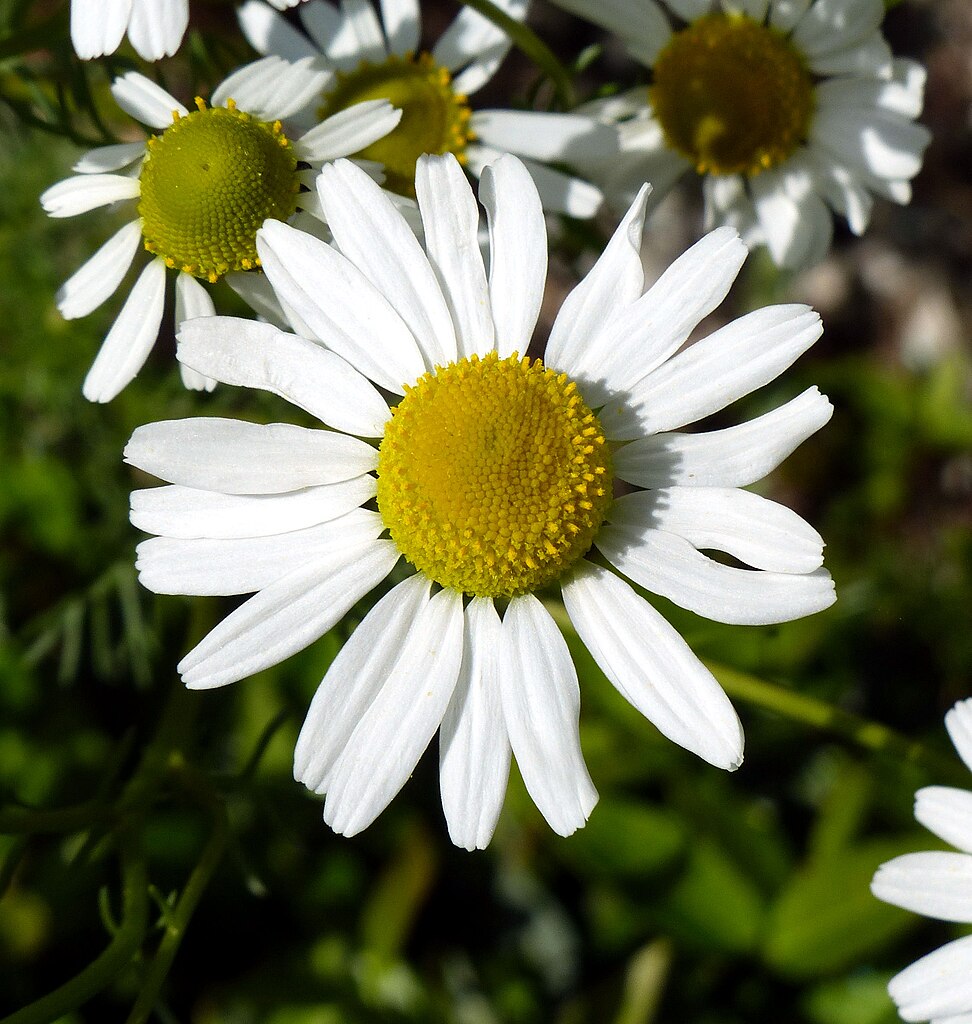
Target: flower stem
[
  {"x": 116, "y": 957},
  {"x": 177, "y": 922},
  {"x": 525, "y": 39},
  {"x": 862, "y": 732}
]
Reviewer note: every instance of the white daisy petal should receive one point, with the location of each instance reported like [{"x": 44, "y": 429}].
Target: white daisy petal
[
  {"x": 784, "y": 14},
  {"x": 652, "y": 666},
  {"x": 348, "y": 131},
  {"x": 836, "y": 24},
  {"x": 246, "y": 353},
  {"x": 753, "y": 529},
  {"x": 375, "y": 237},
  {"x": 192, "y": 300},
  {"x": 287, "y": 616},
  {"x": 272, "y": 88},
  {"x": 614, "y": 282},
  {"x": 733, "y": 457},
  {"x": 333, "y": 33},
  {"x": 936, "y": 986},
  {"x": 518, "y": 252},
  {"x": 755, "y": 9},
  {"x": 670, "y": 566},
  {"x": 642, "y": 25},
  {"x": 870, "y": 57},
  {"x": 87, "y": 192},
  {"x": 559, "y": 192},
  {"x": 475, "y": 42},
  {"x": 903, "y": 94},
  {"x": 146, "y": 101},
  {"x": 267, "y": 32},
  {"x": 962, "y": 1018},
  {"x": 564, "y": 138},
  {"x": 132, "y": 335},
  {"x": 98, "y": 279},
  {"x": 340, "y": 305},
  {"x": 392, "y": 734},
  {"x": 362, "y": 21},
  {"x": 474, "y": 749},
  {"x": 641, "y": 337},
  {"x": 156, "y": 29},
  {"x": 958, "y": 722},
  {"x": 541, "y": 706},
  {"x": 238, "y": 457},
  {"x": 450, "y": 218},
  {"x": 731, "y": 362},
  {"x": 878, "y": 141},
  {"x": 243, "y": 565},
  {"x": 689, "y": 10},
  {"x": 948, "y": 813},
  {"x": 97, "y": 26},
  {"x": 402, "y": 25},
  {"x": 187, "y": 513},
  {"x": 105, "y": 159},
  {"x": 937, "y": 884},
  {"x": 357, "y": 673}
]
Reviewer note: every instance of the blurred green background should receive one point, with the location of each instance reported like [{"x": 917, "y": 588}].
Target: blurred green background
[{"x": 691, "y": 896}]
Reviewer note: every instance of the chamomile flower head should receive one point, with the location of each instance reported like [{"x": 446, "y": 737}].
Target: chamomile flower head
[
  {"x": 493, "y": 478},
  {"x": 938, "y": 884},
  {"x": 200, "y": 189},
  {"x": 154, "y": 27},
  {"x": 786, "y": 110},
  {"x": 374, "y": 57}
]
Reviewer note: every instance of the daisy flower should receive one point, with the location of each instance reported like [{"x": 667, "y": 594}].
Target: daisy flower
[
  {"x": 155, "y": 27},
  {"x": 938, "y": 987},
  {"x": 374, "y": 57},
  {"x": 202, "y": 186},
  {"x": 786, "y": 109},
  {"x": 493, "y": 477}
]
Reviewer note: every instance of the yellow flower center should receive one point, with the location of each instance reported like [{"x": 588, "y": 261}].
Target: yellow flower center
[
  {"x": 493, "y": 475},
  {"x": 435, "y": 119},
  {"x": 208, "y": 182},
  {"x": 732, "y": 95}
]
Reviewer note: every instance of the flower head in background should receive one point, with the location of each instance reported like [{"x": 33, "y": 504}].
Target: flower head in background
[
  {"x": 374, "y": 57},
  {"x": 203, "y": 186},
  {"x": 786, "y": 109},
  {"x": 494, "y": 478},
  {"x": 155, "y": 27},
  {"x": 938, "y": 987}
]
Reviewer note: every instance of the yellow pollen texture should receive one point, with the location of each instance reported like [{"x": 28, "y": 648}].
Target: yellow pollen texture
[
  {"x": 435, "y": 118},
  {"x": 493, "y": 475},
  {"x": 732, "y": 95},
  {"x": 208, "y": 182}
]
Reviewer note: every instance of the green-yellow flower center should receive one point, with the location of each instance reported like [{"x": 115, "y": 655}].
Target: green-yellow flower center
[
  {"x": 208, "y": 182},
  {"x": 732, "y": 95},
  {"x": 435, "y": 118},
  {"x": 493, "y": 475}
]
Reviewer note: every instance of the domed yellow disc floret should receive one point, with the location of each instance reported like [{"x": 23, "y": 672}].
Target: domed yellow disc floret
[
  {"x": 208, "y": 182},
  {"x": 493, "y": 475},
  {"x": 732, "y": 95},
  {"x": 435, "y": 119}
]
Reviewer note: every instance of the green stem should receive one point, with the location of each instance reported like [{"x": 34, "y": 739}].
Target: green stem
[
  {"x": 870, "y": 736},
  {"x": 525, "y": 39},
  {"x": 116, "y": 957},
  {"x": 178, "y": 920}
]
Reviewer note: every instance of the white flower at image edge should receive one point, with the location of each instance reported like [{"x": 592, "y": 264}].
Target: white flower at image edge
[
  {"x": 374, "y": 55},
  {"x": 155, "y": 27},
  {"x": 494, "y": 479},
  {"x": 785, "y": 109},
  {"x": 938, "y": 884},
  {"x": 203, "y": 186}
]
